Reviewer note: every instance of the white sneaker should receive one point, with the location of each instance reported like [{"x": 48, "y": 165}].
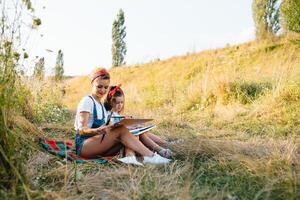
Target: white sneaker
[
  {"x": 130, "y": 160},
  {"x": 155, "y": 159}
]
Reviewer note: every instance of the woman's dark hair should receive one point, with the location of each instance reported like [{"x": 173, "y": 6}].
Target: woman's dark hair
[{"x": 113, "y": 93}]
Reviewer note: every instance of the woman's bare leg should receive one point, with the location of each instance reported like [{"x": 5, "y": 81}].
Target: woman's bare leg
[
  {"x": 114, "y": 150},
  {"x": 129, "y": 140},
  {"x": 129, "y": 151},
  {"x": 94, "y": 146}
]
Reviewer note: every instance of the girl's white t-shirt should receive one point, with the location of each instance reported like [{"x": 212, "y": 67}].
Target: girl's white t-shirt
[
  {"x": 115, "y": 120},
  {"x": 87, "y": 105}
]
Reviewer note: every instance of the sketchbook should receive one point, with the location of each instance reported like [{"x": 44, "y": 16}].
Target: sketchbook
[
  {"x": 132, "y": 122},
  {"x": 135, "y": 126},
  {"x": 140, "y": 130}
]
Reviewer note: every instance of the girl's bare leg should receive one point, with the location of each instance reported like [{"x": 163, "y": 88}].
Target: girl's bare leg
[
  {"x": 94, "y": 146},
  {"x": 148, "y": 142},
  {"x": 156, "y": 139}
]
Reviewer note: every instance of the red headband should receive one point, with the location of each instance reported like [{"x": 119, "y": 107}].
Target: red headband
[
  {"x": 113, "y": 91},
  {"x": 99, "y": 73}
]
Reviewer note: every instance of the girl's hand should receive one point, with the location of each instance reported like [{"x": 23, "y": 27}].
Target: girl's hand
[{"x": 128, "y": 117}]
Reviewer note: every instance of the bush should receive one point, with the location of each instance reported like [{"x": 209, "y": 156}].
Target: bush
[
  {"x": 47, "y": 102},
  {"x": 51, "y": 112},
  {"x": 244, "y": 92}
]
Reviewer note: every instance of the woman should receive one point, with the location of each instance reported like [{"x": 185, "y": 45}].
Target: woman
[{"x": 93, "y": 134}]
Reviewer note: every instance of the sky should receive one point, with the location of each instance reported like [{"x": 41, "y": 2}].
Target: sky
[{"x": 155, "y": 29}]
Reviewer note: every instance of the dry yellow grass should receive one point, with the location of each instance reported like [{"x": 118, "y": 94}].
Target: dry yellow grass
[
  {"x": 189, "y": 77},
  {"x": 235, "y": 145},
  {"x": 209, "y": 84},
  {"x": 204, "y": 168}
]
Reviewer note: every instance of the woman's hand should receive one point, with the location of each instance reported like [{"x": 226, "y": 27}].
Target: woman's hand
[{"x": 103, "y": 129}]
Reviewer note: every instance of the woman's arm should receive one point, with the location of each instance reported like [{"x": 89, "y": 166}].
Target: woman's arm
[{"x": 85, "y": 130}]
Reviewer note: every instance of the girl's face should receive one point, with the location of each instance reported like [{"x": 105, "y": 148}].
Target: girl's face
[
  {"x": 118, "y": 104},
  {"x": 100, "y": 87}
]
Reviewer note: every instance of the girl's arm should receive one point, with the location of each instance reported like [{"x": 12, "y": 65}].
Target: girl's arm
[{"x": 85, "y": 130}]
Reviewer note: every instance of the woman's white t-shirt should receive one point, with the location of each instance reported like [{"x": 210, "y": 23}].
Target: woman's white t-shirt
[{"x": 87, "y": 105}]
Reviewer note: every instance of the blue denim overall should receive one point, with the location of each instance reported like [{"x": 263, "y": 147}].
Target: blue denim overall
[{"x": 79, "y": 139}]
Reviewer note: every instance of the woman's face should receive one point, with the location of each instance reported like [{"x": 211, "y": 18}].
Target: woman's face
[
  {"x": 118, "y": 104},
  {"x": 100, "y": 87}
]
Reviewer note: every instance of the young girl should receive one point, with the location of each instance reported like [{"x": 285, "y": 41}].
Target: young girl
[
  {"x": 114, "y": 103},
  {"x": 94, "y": 136}
]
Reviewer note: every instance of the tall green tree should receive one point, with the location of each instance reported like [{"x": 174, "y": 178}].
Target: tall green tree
[
  {"x": 39, "y": 69},
  {"x": 266, "y": 17},
  {"x": 273, "y": 11},
  {"x": 118, "y": 44},
  {"x": 291, "y": 15},
  {"x": 59, "y": 66}
]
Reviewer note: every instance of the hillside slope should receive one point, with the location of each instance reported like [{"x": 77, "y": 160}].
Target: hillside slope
[
  {"x": 252, "y": 87},
  {"x": 227, "y": 106}
]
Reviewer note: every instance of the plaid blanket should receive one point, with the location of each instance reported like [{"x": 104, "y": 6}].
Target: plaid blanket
[{"x": 65, "y": 150}]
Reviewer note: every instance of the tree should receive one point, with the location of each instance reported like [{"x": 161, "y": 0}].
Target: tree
[
  {"x": 266, "y": 17},
  {"x": 273, "y": 21},
  {"x": 118, "y": 44},
  {"x": 59, "y": 67},
  {"x": 291, "y": 15},
  {"x": 259, "y": 17},
  {"x": 39, "y": 69}
]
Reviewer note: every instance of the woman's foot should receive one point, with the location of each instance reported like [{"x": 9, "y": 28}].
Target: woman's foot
[
  {"x": 130, "y": 160},
  {"x": 156, "y": 159}
]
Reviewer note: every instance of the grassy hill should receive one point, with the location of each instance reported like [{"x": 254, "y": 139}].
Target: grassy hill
[
  {"x": 236, "y": 109},
  {"x": 253, "y": 88}
]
